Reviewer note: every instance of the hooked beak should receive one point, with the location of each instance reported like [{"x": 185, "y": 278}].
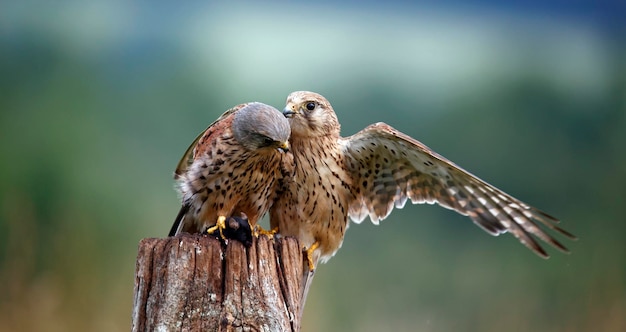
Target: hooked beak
[
  {"x": 289, "y": 112},
  {"x": 283, "y": 147}
]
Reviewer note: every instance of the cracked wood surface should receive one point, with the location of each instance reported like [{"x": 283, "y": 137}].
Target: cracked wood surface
[{"x": 196, "y": 283}]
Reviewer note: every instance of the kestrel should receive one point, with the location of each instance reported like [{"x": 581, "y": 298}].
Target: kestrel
[
  {"x": 233, "y": 169},
  {"x": 369, "y": 173}
]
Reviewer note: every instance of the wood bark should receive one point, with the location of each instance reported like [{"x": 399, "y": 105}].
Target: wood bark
[{"x": 197, "y": 283}]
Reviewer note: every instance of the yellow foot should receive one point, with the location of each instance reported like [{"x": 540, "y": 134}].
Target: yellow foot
[
  {"x": 309, "y": 255},
  {"x": 220, "y": 225},
  {"x": 258, "y": 230}
]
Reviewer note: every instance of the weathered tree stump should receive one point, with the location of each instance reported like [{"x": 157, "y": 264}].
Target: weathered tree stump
[{"x": 196, "y": 283}]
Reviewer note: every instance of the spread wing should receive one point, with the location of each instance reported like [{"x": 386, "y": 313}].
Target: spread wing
[
  {"x": 187, "y": 159},
  {"x": 389, "y": 167}
]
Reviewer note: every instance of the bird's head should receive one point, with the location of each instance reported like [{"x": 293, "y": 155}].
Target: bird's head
[
  {"x": 310, "y": 115},
  {"x": 259, "y": 126}
]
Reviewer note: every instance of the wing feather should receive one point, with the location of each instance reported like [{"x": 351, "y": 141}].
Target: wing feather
[
  {"x": 389, "y": 167},
  {"x": 187, "y": 159}
]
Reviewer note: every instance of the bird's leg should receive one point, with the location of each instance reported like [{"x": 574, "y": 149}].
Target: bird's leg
[
  {"x": 219, "y": 225},
  {"x": 258, "y": 230},
  {"x": 309, "y": 255}
]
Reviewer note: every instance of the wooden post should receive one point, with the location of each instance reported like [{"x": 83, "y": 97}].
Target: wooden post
[{"x": 196, "y": 283}]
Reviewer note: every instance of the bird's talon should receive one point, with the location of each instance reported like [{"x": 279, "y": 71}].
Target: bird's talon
[
  {"x": 258, "y": 230},
  {"x": 309, "y": 255},
  {"x": 219, "y": 225}
]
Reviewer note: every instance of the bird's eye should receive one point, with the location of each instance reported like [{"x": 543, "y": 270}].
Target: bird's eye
[
  {"x": 267, "y": 141},
  {"x": 310, "y": 106}
]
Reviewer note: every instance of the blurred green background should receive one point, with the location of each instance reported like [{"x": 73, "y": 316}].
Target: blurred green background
[{"x": 99, "y": 100}]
